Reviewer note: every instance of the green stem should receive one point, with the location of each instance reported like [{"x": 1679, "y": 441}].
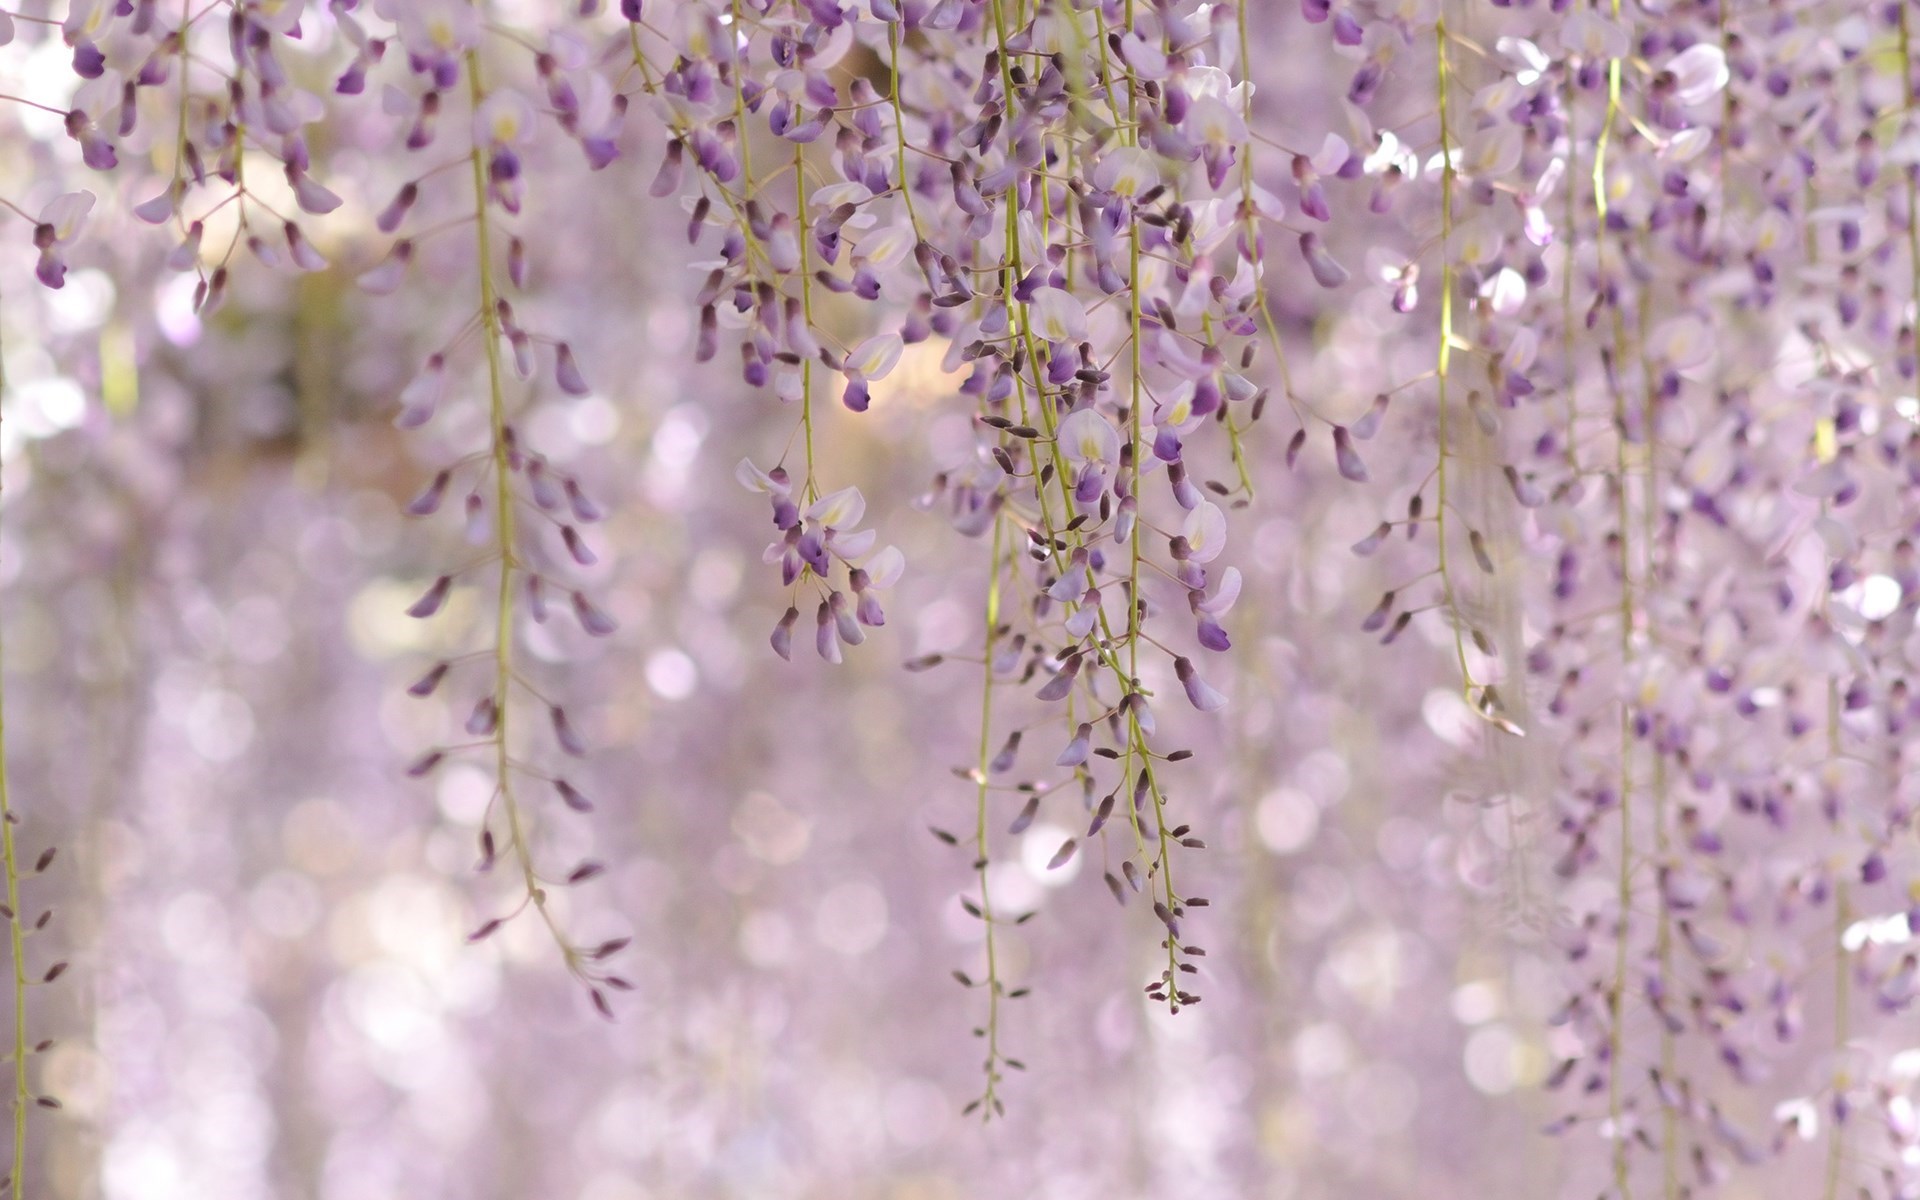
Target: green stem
[
  {"x": 503, "y": 531},
  {"x": 989, "y": 1101},
  {"x": 17, "y": 945},
  {"x": 1444, "y": 359}
]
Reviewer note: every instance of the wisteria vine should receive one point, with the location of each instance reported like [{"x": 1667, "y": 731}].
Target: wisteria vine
[{"x": 1636, "y": 467}]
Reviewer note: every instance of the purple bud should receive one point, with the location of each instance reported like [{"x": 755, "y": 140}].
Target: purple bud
[
  {"x": 485, "y": 717},
  {"x": 577, "y": 547},
  {"x": 435, "y": 596},
  {"x": 1076, "y": 752},
  {"x": 824, "y": 642},
  {"x": 563, "y": 732},
  {"x": 1368, "y": 425},
  {"x": 566, "y": 372},
  {"x": 517, "y": 262},
  {"x": 1008, "y": 755},
  {"x": 159, "y": 210},
  {"x": 1199, "y": 692},
  {"x": 1347, "y": 458},
  {"x": 310, "y": 195},
  {"x": 88, "y": 62},
  {"x": 782, "y": 638},
  {"x": 1326, "y": 272},
  {"x": 1062, "y": 683},
  {"x": 667, "y": 181},
  {"x": 844, "y": 623},
  {"x": 396, "y": 211},
  {"x": 428, "y": 501},
  {"x": 591, "y": 619},
  {"x": 426, "y": 684},
  {"x": 584, "y": 509}
]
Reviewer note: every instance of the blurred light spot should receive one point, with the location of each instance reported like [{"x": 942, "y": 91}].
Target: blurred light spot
[
  {"x": 1402, "y": 843},
  {"x": 1448, "y": 716},
  {"x": 916, "y": 1112},
  {"x": 318, "y": 839},
  {"x": 612, "y": 1185},
  {"x": 918, "y": 379},
  {"x": 766, "y": 939},
  {"x": 140, "y": 1163},
  {"x": 285, "y": 905},
  {"x": 714, "y": 577},
  {"x": 1320, "y": 1050},
  {"x": 1879, "y": 597},
  {"x": 464, "y": 793},
  {"x": 194, "y": 928},
  {"x": 735, "y": 870},
  {"x": 1287, "y": 820},
  {"x": 1321, "y": 895},
  {"x": 1037, "y": 849},
  {"x": 1802, "y": 1116},
  {"x": 1889, "y": 930},
  {"x": 592, "y": 421},
  {"x": 1381, "y": 1098},
  {"x": 82, "y": 304},
  {"x": 373, "y": 522},
  {"x": 1367, "y": 966},
  {"x": 851, "y": 919},
  {"x": 668, "y": 326},
  {"x": 220, "y": 726},
  {"x": 678, "y": 439},
  {"x": 378, "y": 622},
  {"x": 1493, "y": 1060},
  {"x": 173, "y": 310},
  {"x": 941, "y": 626},
  {"x": 78, "y": 1075},
  {"x": 773, "y": 833},
  {"x": 417, "y": 921},
  {"x": 1014, "y": 889},
  {"x": 1323, "y": 774},
  {"x": 672, "y": 675},
  {"x": 1477, "y": 1002},
  {"x": 393, "y": 1009},
  {"x": 257, "y": 629},
  {"x": 50, "y": 405}
]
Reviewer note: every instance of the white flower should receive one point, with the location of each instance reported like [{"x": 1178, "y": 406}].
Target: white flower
[
  {"x": 1058, "y": 316},
  {"x": 1699, "y": 72},
  {"x": 505, "y": 119},
  {"x": 1126, "y": 171},
  {"x": 1591, "y": 36},
  {"x": 1206, "y": 532},
  {"x": 67, "y": 214},
  {"x": 875, "y": 357},
  {"x": 839, "y": 510},
  {"x": 1086, "y": 436}
]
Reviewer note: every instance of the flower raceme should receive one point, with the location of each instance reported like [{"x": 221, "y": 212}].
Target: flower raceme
[{"x": 1615, "y": 417}]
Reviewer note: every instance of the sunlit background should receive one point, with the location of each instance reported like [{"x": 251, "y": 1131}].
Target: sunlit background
[{"x": 206, "y": 567}]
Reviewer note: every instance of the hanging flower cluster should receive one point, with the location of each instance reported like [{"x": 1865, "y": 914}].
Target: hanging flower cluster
[{"x": 1599, "y": 320}]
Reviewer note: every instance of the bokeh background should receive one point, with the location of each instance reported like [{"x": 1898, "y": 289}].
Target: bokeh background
[{"x": 204, "y": 566}]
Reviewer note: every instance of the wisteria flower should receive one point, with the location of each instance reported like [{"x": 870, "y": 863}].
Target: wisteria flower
[
  {"x": 873, "y": 359},
  {"x": 60, "y": 224}
]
